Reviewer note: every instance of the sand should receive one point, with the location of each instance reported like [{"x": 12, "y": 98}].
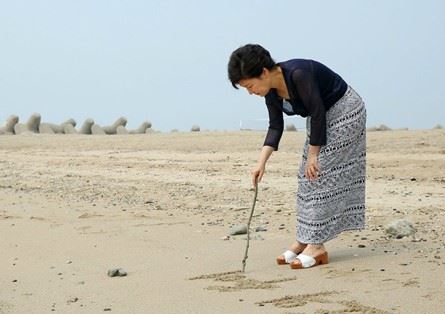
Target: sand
[{"x": 160, "y": 206}]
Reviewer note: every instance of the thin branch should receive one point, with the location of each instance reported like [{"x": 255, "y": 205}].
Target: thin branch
[{"x": 248, "y": 227}]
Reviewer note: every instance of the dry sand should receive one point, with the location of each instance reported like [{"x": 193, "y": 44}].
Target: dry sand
[{"x": 159, "y": 206}]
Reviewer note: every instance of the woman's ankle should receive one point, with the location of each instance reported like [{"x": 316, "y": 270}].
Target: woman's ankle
[
  {"x": 314, "y": 249},
  {"x": 298, "y": 247},
  {"x": 316, "y": 246}
]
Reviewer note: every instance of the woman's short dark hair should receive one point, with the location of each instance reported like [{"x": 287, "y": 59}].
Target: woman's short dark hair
[{"x": 248, "y": 62}]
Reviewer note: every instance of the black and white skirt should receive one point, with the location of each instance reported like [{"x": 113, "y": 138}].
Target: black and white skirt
[{"x": 335, "y": 202}]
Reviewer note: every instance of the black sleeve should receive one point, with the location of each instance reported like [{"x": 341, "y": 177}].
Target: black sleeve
[
  {"x": 276, "y": 125},
  {"x": 309, "y": 92}
]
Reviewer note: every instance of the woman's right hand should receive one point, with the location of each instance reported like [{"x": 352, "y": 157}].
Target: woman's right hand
[
  {"x": 257, "y": 174},
  {"x": 258, "y": 171}
]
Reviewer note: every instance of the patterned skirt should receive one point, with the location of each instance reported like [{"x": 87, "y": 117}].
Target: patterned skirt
[{"x": 335, "y": 201}]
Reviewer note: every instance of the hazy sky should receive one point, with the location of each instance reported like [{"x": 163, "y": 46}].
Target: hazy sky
[{"x": 166, "y": 61}]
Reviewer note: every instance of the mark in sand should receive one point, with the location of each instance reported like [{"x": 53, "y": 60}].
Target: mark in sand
[
  {"x": 241, "y": 282},
  {"x": 322, "y": 297}
]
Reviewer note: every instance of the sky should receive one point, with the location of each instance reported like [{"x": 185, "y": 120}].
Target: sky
[{"x": 166, "y": 61}]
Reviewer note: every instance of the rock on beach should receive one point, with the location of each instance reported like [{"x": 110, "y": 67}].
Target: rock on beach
[{"x": 400, "y": 228}]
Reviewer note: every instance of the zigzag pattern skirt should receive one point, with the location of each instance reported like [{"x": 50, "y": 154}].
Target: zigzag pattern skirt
[{"x": 335, "y": 201}]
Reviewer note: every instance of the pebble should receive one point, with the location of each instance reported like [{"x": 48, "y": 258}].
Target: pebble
[
  {"x": 260, "y": 229},
  {"x": 238, "y": 229},
  {"x": 117, "y": 272},
  {"x": 73, "y": 300},
  {"x": 400, "y": 228},
  {"x": 254, "y": 237}
]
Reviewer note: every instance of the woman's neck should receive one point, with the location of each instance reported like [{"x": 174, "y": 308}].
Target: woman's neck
[{"x": 278, "y": 82}]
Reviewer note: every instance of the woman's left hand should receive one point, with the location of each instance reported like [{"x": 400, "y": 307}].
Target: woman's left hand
[{"x": 312, "y": 168}]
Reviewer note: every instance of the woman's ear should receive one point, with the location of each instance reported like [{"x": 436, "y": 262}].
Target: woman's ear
[{"x": 265, "y": 73}]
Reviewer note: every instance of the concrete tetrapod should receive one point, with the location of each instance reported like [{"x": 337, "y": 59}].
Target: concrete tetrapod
[
  {"x": 31, "y": 126},
  {"x": 51, "y": 128},
  {"x": 142, "y": 128},
  {"x": 8, "y": 127},
  {"x": 68, "y": 128},
  {"x": 121, "y": 130},
  {"x": 97, "y": 130},
  {"x": 111, "y": 129},
  {"x": 86, "y": 126}
]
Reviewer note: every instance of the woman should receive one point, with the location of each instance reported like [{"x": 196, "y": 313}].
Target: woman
[{"x": 331, "y": 179}]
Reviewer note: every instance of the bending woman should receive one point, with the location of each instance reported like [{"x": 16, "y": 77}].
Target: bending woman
[{"x": 331, "y": 178}]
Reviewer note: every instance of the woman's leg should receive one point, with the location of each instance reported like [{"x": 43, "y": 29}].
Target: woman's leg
[
  {"x": 313, "y": 255},
  {"x": 290, "y": 255},
  {"x": 297, "y": 247},
  {"x": 314, "y": 249}
]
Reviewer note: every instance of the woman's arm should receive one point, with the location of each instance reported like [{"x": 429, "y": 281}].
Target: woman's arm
[
  {"x": 312, "y": 168},
  {"x": 258, "y": 171},
  {"x": 310, "y": 95},
  {"x": 309, "y": 92}
]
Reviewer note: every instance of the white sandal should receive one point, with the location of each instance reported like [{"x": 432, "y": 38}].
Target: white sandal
[
  {"x": 286, "y": 258},
  {"x": 306, "y": 261}
]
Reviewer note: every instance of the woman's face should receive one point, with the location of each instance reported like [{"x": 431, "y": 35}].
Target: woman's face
[{"x": 259, "y": 86}]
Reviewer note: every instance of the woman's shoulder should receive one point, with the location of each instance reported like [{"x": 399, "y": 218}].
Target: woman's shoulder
[
  {"x": 296, "y": 63},
  {"x": 296, "y": 67},
  {"x": 303, "y": 65}
]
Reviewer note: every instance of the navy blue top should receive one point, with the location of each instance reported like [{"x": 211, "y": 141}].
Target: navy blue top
[{"x": 313, "y": 89}]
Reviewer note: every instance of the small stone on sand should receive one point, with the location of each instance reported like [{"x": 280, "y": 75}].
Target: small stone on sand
[
  {"x": 400, "y": 228},
  {"x": 117, "y": 272},
  {"x": 238, "y": 229},
  {"x": 260, "y": 229}
]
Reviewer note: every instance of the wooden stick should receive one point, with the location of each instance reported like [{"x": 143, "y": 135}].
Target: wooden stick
[{"x": 248, "y": 227}]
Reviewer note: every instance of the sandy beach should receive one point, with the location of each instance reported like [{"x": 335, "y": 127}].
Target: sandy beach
[{"x": 161, "y": 205}]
